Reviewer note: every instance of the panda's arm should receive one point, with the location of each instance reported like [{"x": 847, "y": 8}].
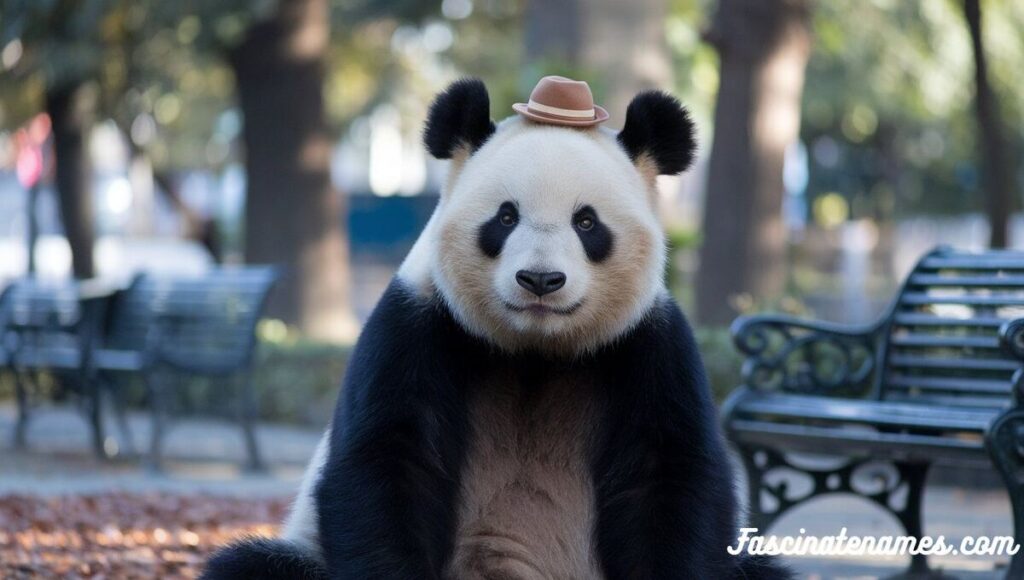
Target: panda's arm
[
  {"x": 387, "y": 493},
  {"x": 664, "y": 489}
]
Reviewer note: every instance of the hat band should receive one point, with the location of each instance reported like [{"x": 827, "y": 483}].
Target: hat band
[{"x": 575, "y": 114}]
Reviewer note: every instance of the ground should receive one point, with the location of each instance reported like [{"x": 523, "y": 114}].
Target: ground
[
  {"x": 123, "y": 535},
  {"x": 65, "y": 514}
]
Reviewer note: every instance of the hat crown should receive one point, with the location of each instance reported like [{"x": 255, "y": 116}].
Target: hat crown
[
  {"x": 560, "y": 101},
  {"x": 563, "y": 93}
]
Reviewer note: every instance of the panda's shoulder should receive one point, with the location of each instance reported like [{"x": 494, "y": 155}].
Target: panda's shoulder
[
  {"x": 663, "y": 326},
  {"x": 405, "y": 317}
]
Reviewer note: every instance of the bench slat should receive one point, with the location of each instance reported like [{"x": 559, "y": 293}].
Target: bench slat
[
  {"x": 972, "y": 386},
  {"x": 923, "y": 340},
  {"x": 948, "y": 401},
  {"x": 922, "y": 299},
  {"x": 980, "y": 364},
  {"x": 1015, "y": 281},
  {"x": 921, "y": 319},
  {"x": 825, "y": 440},
  {"x": 864, "y": 412},
  {"x": 1004, "y": 261}
]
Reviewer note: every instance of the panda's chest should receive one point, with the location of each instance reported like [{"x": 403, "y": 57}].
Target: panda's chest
[{"x": 526, "y": 507}]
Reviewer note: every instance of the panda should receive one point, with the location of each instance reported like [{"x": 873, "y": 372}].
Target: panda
[{"x": 526, "y": 401}]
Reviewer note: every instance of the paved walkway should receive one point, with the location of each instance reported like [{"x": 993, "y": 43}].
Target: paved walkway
[{"x": 205, "y": 456}]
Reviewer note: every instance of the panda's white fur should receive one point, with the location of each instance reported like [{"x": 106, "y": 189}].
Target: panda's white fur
[
  {"x": 548, "y": 171},
  {"x": 300, "y": 527}
]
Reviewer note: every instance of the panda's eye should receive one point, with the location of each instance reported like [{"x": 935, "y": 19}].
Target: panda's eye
[
  {"x": 585, "y": 223},
  {"x": 507, "y": 215}
]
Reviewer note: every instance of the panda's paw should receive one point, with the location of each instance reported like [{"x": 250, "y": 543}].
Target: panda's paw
[{"x": 263, "y": 558}]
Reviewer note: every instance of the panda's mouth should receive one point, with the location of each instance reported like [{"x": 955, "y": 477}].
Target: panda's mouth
[{"x": 543, "y": 309}]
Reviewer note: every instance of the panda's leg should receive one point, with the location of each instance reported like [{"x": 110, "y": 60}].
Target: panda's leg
[
  {"x": 296, "y": 554},
  {"x": 665, "y": 501},
  {"x": 387, "y": 499}
]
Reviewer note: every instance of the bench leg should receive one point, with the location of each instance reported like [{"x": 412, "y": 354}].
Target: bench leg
[
  {"x": 757, "y": 462},
  {"x": 158, "y": 414},
  {"x": 1005, "y": 443},
  {"x": 94, "y": 408},
  {"x": 247, "y": 418},
  {"x": 120, "y": 413},
  {"x": 21, "y": 425},
  {"x": 910, "y": 517}
]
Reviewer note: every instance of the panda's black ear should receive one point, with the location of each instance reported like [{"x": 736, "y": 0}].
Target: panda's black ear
[
  {"x": 658, "y": 126},
  {"x": 459, "y": 117}
]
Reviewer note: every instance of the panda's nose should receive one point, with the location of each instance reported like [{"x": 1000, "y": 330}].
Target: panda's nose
[{"x": 540, "y": 283}]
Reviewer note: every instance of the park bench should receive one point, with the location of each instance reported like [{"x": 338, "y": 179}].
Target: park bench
[
  {"x": 46, "y": 326},
  {"x": 162, "y": 329},
  {"x": 937, "y": 380}
]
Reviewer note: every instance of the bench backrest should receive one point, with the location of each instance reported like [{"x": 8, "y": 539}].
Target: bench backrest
[
  {"x": 209, "y": 320},
  {"x": 41, "y": 304},
  {"x": 42, "y": 313},
  {"x": 942, "y": 346}
]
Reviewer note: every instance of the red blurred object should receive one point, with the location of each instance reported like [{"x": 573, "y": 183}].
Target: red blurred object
[{"x": 30, "y": 141}]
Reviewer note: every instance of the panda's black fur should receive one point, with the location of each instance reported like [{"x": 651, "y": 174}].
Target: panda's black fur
[
  {"x": 459, "y": 117},
  {"x": 657, "y": 125},
  {"x": 388, "y": 492}
]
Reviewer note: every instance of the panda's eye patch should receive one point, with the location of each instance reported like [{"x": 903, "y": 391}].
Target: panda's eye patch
[
  {"x": 492, "y": 234},
  {"x": 596, "y": 238}
]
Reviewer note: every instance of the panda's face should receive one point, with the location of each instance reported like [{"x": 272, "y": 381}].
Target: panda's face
[
  {"x": 547, "y": 240},
  {"x": 546, "y": 237}
]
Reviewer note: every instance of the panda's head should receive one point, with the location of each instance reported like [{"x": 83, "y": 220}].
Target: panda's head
[{"x": 546, "y": 238}]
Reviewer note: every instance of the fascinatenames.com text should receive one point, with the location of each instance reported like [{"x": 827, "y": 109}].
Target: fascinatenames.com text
[{"x": 843, "y": 544}]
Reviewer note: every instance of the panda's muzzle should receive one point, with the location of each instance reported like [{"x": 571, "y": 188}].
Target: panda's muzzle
[
  {"x": 541, "y": 309},
  {"x": 540, "y": 283}
]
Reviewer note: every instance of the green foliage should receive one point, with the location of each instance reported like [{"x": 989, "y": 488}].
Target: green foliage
[
  {"x": 888, "y": 109},
  {"x": 299, "y": 382},
  {"x": 296, "y": 380}
]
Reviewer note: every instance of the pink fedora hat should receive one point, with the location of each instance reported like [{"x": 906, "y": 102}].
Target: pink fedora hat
[{"x": 561, "y": 101}]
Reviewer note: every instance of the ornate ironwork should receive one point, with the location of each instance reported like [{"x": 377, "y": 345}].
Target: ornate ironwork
[
  {"x": 777, "y": 484},
  {"x": 802, "y": 357},
  {"x": 1005, "y": 443}
]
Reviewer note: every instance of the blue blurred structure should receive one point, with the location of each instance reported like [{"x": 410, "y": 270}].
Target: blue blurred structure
[{"x": 383, "y": 229}]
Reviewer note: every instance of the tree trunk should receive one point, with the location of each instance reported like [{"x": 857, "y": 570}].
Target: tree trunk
[
  {"x": 551, "y": 30},
  {"x": 293, "y": 216},
  {"x": 763, "y": 46},
  {"x": 71, "y": 111},
  {"x": 997, "y": 176}
]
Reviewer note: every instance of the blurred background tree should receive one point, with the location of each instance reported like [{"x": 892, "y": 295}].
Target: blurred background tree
[{"x": 763, "y": 48}]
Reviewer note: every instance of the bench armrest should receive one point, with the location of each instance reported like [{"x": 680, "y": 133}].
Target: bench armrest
[{"x": 801, "y": 356}]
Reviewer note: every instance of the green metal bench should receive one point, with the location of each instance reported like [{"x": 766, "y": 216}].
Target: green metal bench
[
  {"x": 162, "y": 329},
  {"x": 938, "y": 380},
  {"x": 46, "y": 326},
  {"x": 169, "y": 328}
]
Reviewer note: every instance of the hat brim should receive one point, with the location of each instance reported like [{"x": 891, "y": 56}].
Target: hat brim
[{"x": 600, "y": 116}]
